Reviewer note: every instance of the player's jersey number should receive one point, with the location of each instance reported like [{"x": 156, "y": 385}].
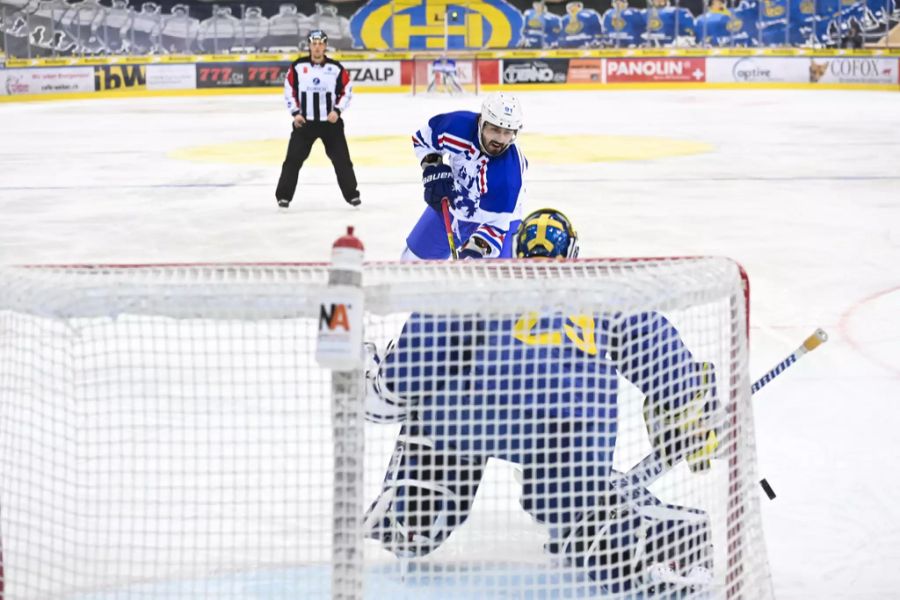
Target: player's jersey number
[{"x": 578, "y": 329}]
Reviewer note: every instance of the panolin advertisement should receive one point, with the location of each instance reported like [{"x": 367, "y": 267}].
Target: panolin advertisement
[
  {"x": 221, "y": 75},
  {"x": 756, "y": 69},
  {"x": 585, "y": 70},
  {"x": 14, "y": 82},
  {"x": 171, "y": 77},
  {"x": 537, "y": 70},
  {"x": 656, "y": 70},
  {"x": 871, "y": 70},
  {"x": 382, "y": 72}
]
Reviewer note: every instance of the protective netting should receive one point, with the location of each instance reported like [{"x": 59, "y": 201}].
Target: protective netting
[
  {"x": 442, "y": 75},
  {"x": 165, "y": 432}
]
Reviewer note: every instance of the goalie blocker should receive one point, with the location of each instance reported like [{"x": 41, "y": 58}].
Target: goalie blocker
[{"x": 554, "y": 416}]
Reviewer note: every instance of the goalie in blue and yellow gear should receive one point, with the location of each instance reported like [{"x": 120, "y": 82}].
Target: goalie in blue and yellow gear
[
  {"x": 546, "y": 233},
  {"x": 541, "y": 391}
]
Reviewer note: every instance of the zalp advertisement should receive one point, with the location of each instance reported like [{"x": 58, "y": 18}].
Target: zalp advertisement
[{"x": 656, "y": 70}]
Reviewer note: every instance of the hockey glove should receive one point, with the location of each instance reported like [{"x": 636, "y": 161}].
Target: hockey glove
[
  {"x": 688, "y": 430},
  {"x": 475, "y": 247},
  {"x": 438, "y": 182}
]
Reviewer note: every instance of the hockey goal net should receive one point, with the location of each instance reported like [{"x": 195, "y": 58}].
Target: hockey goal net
[
  {"x": 165, "y": 432},
  {"x": 439, "y": 75}
]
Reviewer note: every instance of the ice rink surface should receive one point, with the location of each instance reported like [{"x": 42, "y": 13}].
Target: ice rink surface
[{"x": 801, "y": 187}]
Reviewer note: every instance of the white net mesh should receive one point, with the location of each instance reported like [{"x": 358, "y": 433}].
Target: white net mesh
[
  {"x": 166, "y": 433},
  {"x": 447, "y": 75}
]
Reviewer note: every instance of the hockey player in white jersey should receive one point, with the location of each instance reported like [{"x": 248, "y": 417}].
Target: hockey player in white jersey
[{"x": 472, "y": 160}]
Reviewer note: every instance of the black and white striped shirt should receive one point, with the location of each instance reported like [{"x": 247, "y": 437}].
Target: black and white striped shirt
[{"x": 314, "y": 90}]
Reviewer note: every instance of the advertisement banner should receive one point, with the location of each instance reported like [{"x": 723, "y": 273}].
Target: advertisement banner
[
  {"x": 221, "y": 75},
  {"x": 171, "y": 77},
  {"x": 46, "y": 80},
  {"x": 120, "y": 77},
  {"x": 656, "y": 70},
  {"x": 756, "y": 69},
  {"x": 585, "y": 70},
  {"x": 537, "y": 70},
  {"x": 853, "y": 70},
  {"x": 266, "y": 74},
  {"x": 375, "y": 73},
  {"x": 489, "y": 72}
]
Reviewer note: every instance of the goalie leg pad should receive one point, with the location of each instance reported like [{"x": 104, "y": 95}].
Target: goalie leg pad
[
  {"x": 427, "y": 494},
  {"x": 382, "y": 404},
  {"x": 642, "y": 545}
]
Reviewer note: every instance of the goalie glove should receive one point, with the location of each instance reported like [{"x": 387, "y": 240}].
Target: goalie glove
[
  {"x": 475, "y": 247},
  {"x": 687, "y": 430}
]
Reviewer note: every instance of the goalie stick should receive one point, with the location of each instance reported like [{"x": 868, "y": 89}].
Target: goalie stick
[
  {"x": 653, "y": 466},
  {"x": 817, "y": 338}
]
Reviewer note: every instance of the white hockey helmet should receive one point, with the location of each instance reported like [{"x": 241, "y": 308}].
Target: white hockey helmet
[{"x": 502, "y": 110}]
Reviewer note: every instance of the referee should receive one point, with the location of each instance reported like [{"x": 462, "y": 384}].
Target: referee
[{"x": 317, "y": 90}]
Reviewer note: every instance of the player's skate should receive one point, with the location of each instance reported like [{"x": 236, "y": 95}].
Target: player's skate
[{"x": 283, "y": 203}]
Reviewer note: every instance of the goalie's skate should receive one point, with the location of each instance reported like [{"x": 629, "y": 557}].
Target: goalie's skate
[
  {"x": 381, "y": 524},
  {"x": 426, "y": 495},
  {"x": 626, "y": 546}
]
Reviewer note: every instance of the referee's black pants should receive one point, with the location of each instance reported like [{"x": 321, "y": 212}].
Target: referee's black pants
[{"x": 302, "y": 139}]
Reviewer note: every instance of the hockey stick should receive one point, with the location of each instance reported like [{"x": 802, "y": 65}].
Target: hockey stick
[
  {"x": 817, "y": 338},
  {"x": 445, "y": 209},
  {"x": 652, "y": 466}
]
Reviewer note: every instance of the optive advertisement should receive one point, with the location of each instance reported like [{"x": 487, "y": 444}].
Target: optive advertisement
[
  {"x": 756, "y": 69},
  {"x": 853, "y": 70},
  {"x": 656, "y": 70},
  {"x": 538, "y": 70},
  {"x": 46, "y": 80}
]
